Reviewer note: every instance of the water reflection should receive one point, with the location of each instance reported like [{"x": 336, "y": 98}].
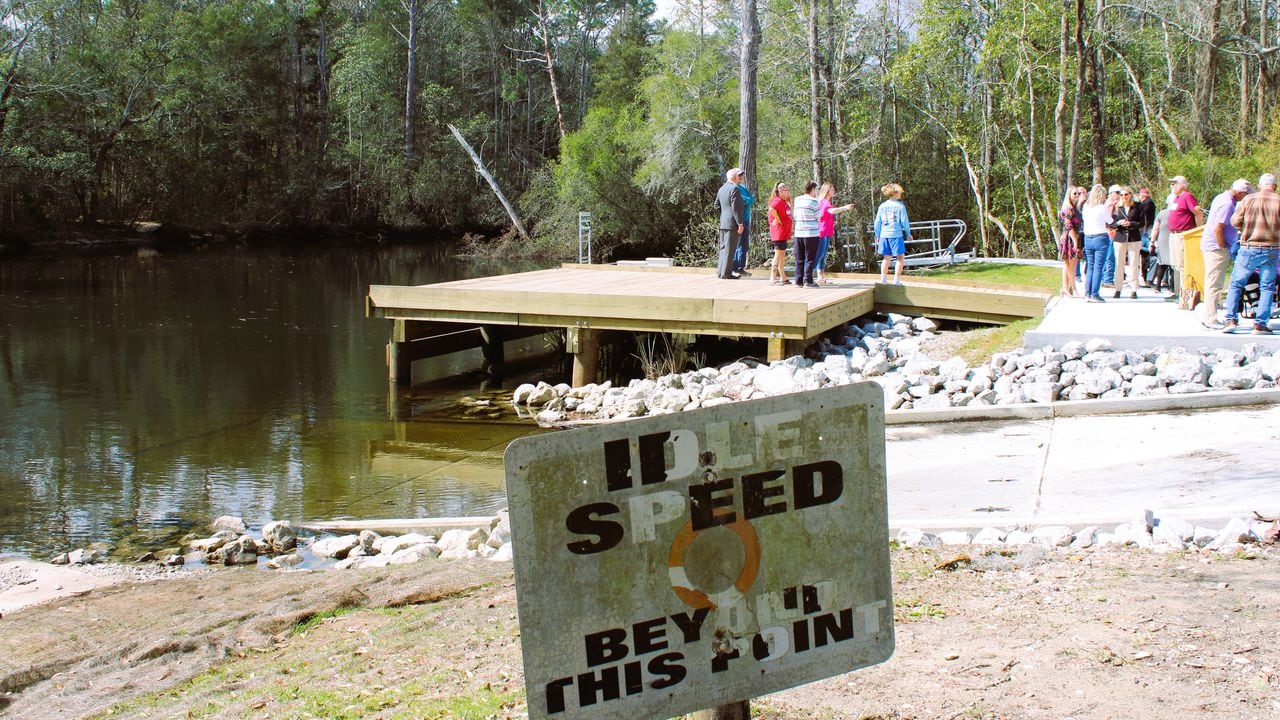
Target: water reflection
[{"x": 156, "y": 390}]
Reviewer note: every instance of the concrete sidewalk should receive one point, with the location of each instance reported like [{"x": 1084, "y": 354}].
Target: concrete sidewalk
[
  {"x": 1202, "y": 466},
  {"x": 1153, "y": 320}
]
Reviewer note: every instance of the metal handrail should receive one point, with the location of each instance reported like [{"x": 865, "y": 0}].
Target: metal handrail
[{"x": 934, "y": 241}]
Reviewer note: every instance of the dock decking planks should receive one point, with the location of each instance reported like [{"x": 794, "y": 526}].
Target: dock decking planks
[{"x": 588, "y": 298}]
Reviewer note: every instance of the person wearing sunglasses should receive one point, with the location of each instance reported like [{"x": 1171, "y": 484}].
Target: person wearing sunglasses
[{"x": 1127, "y": 242}]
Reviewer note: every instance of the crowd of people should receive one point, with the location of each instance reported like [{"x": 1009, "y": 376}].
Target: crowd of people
[
  {"x": 1124, "y": 241},
  {"x": 808, "y": 223},
  {"x": 1110, "y": 237}
]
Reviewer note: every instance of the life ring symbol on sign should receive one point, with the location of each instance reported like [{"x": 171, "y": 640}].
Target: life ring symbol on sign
[{"x": 680, "y": 582}]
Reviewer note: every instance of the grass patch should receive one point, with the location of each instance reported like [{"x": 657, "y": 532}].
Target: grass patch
[
  {"x": 305, "y": 625},
  {"x": 980, "y": 345},
  {"x": 910, "y": 609},
  {"x": 1000, "y": 273}
]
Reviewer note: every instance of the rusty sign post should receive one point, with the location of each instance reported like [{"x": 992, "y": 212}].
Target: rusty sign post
[{"x": 699, "y": 559}]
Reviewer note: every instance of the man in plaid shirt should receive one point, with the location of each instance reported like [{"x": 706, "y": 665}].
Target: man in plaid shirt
[{"x": 1257, "y": 217}]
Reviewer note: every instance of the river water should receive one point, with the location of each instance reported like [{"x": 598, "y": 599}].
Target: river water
[{"x": 143, "y": 393}]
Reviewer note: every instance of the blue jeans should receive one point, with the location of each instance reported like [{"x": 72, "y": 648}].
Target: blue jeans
[
  {"x": 806, "y": 254},
  {"x": 1109, "y": 264},
  {"x": 820, "y": 263},
  {"x": 740, "y": 254},
  {"x": 1097, "y": 248},
  {"x": 1264, "y": 261}
]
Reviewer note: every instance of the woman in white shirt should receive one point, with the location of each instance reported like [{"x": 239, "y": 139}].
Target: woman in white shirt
[{"x": 1097, "y": 239}]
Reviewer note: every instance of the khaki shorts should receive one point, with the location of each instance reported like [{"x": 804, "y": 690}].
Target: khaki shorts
[{"x": 1177, "y": 250}]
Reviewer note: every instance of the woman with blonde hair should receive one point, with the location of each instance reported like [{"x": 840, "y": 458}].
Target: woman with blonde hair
[
  {"x": 826, "y": 229},
  {"x": 1126, "y": 218},
  {"x": 1094, "y": 219},
  {"x": 780, "y": 222},
  {"x": 893, "y": 231},
  {"x": 1070, "y": 241}
]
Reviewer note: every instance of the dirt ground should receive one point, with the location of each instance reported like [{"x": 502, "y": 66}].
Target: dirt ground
[{"x": 1112, "y": 633}]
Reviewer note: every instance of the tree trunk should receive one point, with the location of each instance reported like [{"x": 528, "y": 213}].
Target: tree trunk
[
  {"x": 747, "y": 91},
  {"x": 815, "y": 120},
  {"x": 10, "y": 75},
  {"x": 1081, "y": 55},
  {"x": 1261, "y": 91},
  {"x": 1206, "y": 69},
  {"x": 411, "y": 84},
  {"x": 484, "y": 172},
  {"x": 1060, "y": 109},
  {"x": 1242, "y": 129},
  {"x": 551, "y": 66},
  {"x": 1099, "y": 96}
]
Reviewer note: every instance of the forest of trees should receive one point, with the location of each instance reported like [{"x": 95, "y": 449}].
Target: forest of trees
[{"x": 334, "y": 114}]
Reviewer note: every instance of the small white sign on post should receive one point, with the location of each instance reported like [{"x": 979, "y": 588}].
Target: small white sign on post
[{"x": 692, "y": 560}]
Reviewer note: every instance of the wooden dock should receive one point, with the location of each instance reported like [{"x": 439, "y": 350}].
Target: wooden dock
[{"x": 586, "y": 300}]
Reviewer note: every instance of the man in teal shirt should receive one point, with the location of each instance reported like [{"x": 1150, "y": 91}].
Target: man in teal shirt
[{"x": 740, "y": 255}]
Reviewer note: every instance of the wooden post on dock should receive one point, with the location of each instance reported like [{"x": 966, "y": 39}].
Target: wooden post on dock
[
  {"x": 781, "y": 348},
  {"x": 584, "y": 343},
  {"x": 491, "y": 339}
]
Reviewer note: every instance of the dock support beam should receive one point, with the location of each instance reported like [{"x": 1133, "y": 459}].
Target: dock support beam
[
  {"x": 584, "y": 343},
  {"x": 491, "y": 339},
  {"x": 782, "y": 348}
]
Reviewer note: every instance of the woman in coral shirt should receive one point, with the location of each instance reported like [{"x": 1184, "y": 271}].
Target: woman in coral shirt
[{"x": 780, "y": 224}]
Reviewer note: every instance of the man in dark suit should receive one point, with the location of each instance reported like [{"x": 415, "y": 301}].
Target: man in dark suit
[{"x": 729, "y": 204}]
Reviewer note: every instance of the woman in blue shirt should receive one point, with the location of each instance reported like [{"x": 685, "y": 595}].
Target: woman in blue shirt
[{"x": 893, "y": 231}]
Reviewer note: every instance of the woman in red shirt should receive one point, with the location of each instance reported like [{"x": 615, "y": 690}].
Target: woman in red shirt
[{"x": 779, "y": 232}]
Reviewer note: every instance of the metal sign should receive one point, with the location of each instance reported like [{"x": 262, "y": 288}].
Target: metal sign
[
  {"x": 584, "y": 237},
  {"x": 692, "y": 560}
]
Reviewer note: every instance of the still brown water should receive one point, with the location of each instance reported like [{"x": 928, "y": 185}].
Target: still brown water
[{"x": 143, "y": 393}]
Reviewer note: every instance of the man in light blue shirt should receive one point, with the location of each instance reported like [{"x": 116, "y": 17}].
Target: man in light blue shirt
[{"x": 1218, "y": 245}]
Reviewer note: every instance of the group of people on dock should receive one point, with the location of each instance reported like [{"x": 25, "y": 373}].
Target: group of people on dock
[
  {"x": 807, "y": 222},
  {"x": 1114, "y": 229}
]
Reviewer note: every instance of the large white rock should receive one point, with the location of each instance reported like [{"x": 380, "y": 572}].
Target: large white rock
[
  {"x": 541, "y": 394},
  {"x": 281, "y": 562},
  {"x": 413, "y": 554},
  {"x": 335, "y": 547},
  {"x": 989, "y": 536},
  {"x": 501, "y": 533},
  {"x": 1173, "y": 531},
  {"x": 932, "y": 402},
  {"x": 521, "y": 395},
  {"x": 462, "y": 539},
  {"x": 1269, "y": 367},
  {"x": 1074, "y": 350},
  {"x": 915, "y": 537},
  {"x": 1146, "y": 385},
  {"x": 1178, "y": 368},
  {"x": 1085, "y": 538},
  {"x": 955, "y": 537},
  {"x": 389, "y": 544},
  {"x": 231, "y": 524},
  {"x": 777, "y": 380},
  {"x": 1235, "y": 531},
  {"x": 1234, "y": 377},
  {"x": 503, "y": 554},
  {"x": 924, "y": 324},
  {"x": 278, "y": 536},
  {"x": 213, "y": 542},
  {"x": 1094, "y": 345},
  {"x": 1041, "y": 392},
  {"x": 1053, "y": 536}
]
